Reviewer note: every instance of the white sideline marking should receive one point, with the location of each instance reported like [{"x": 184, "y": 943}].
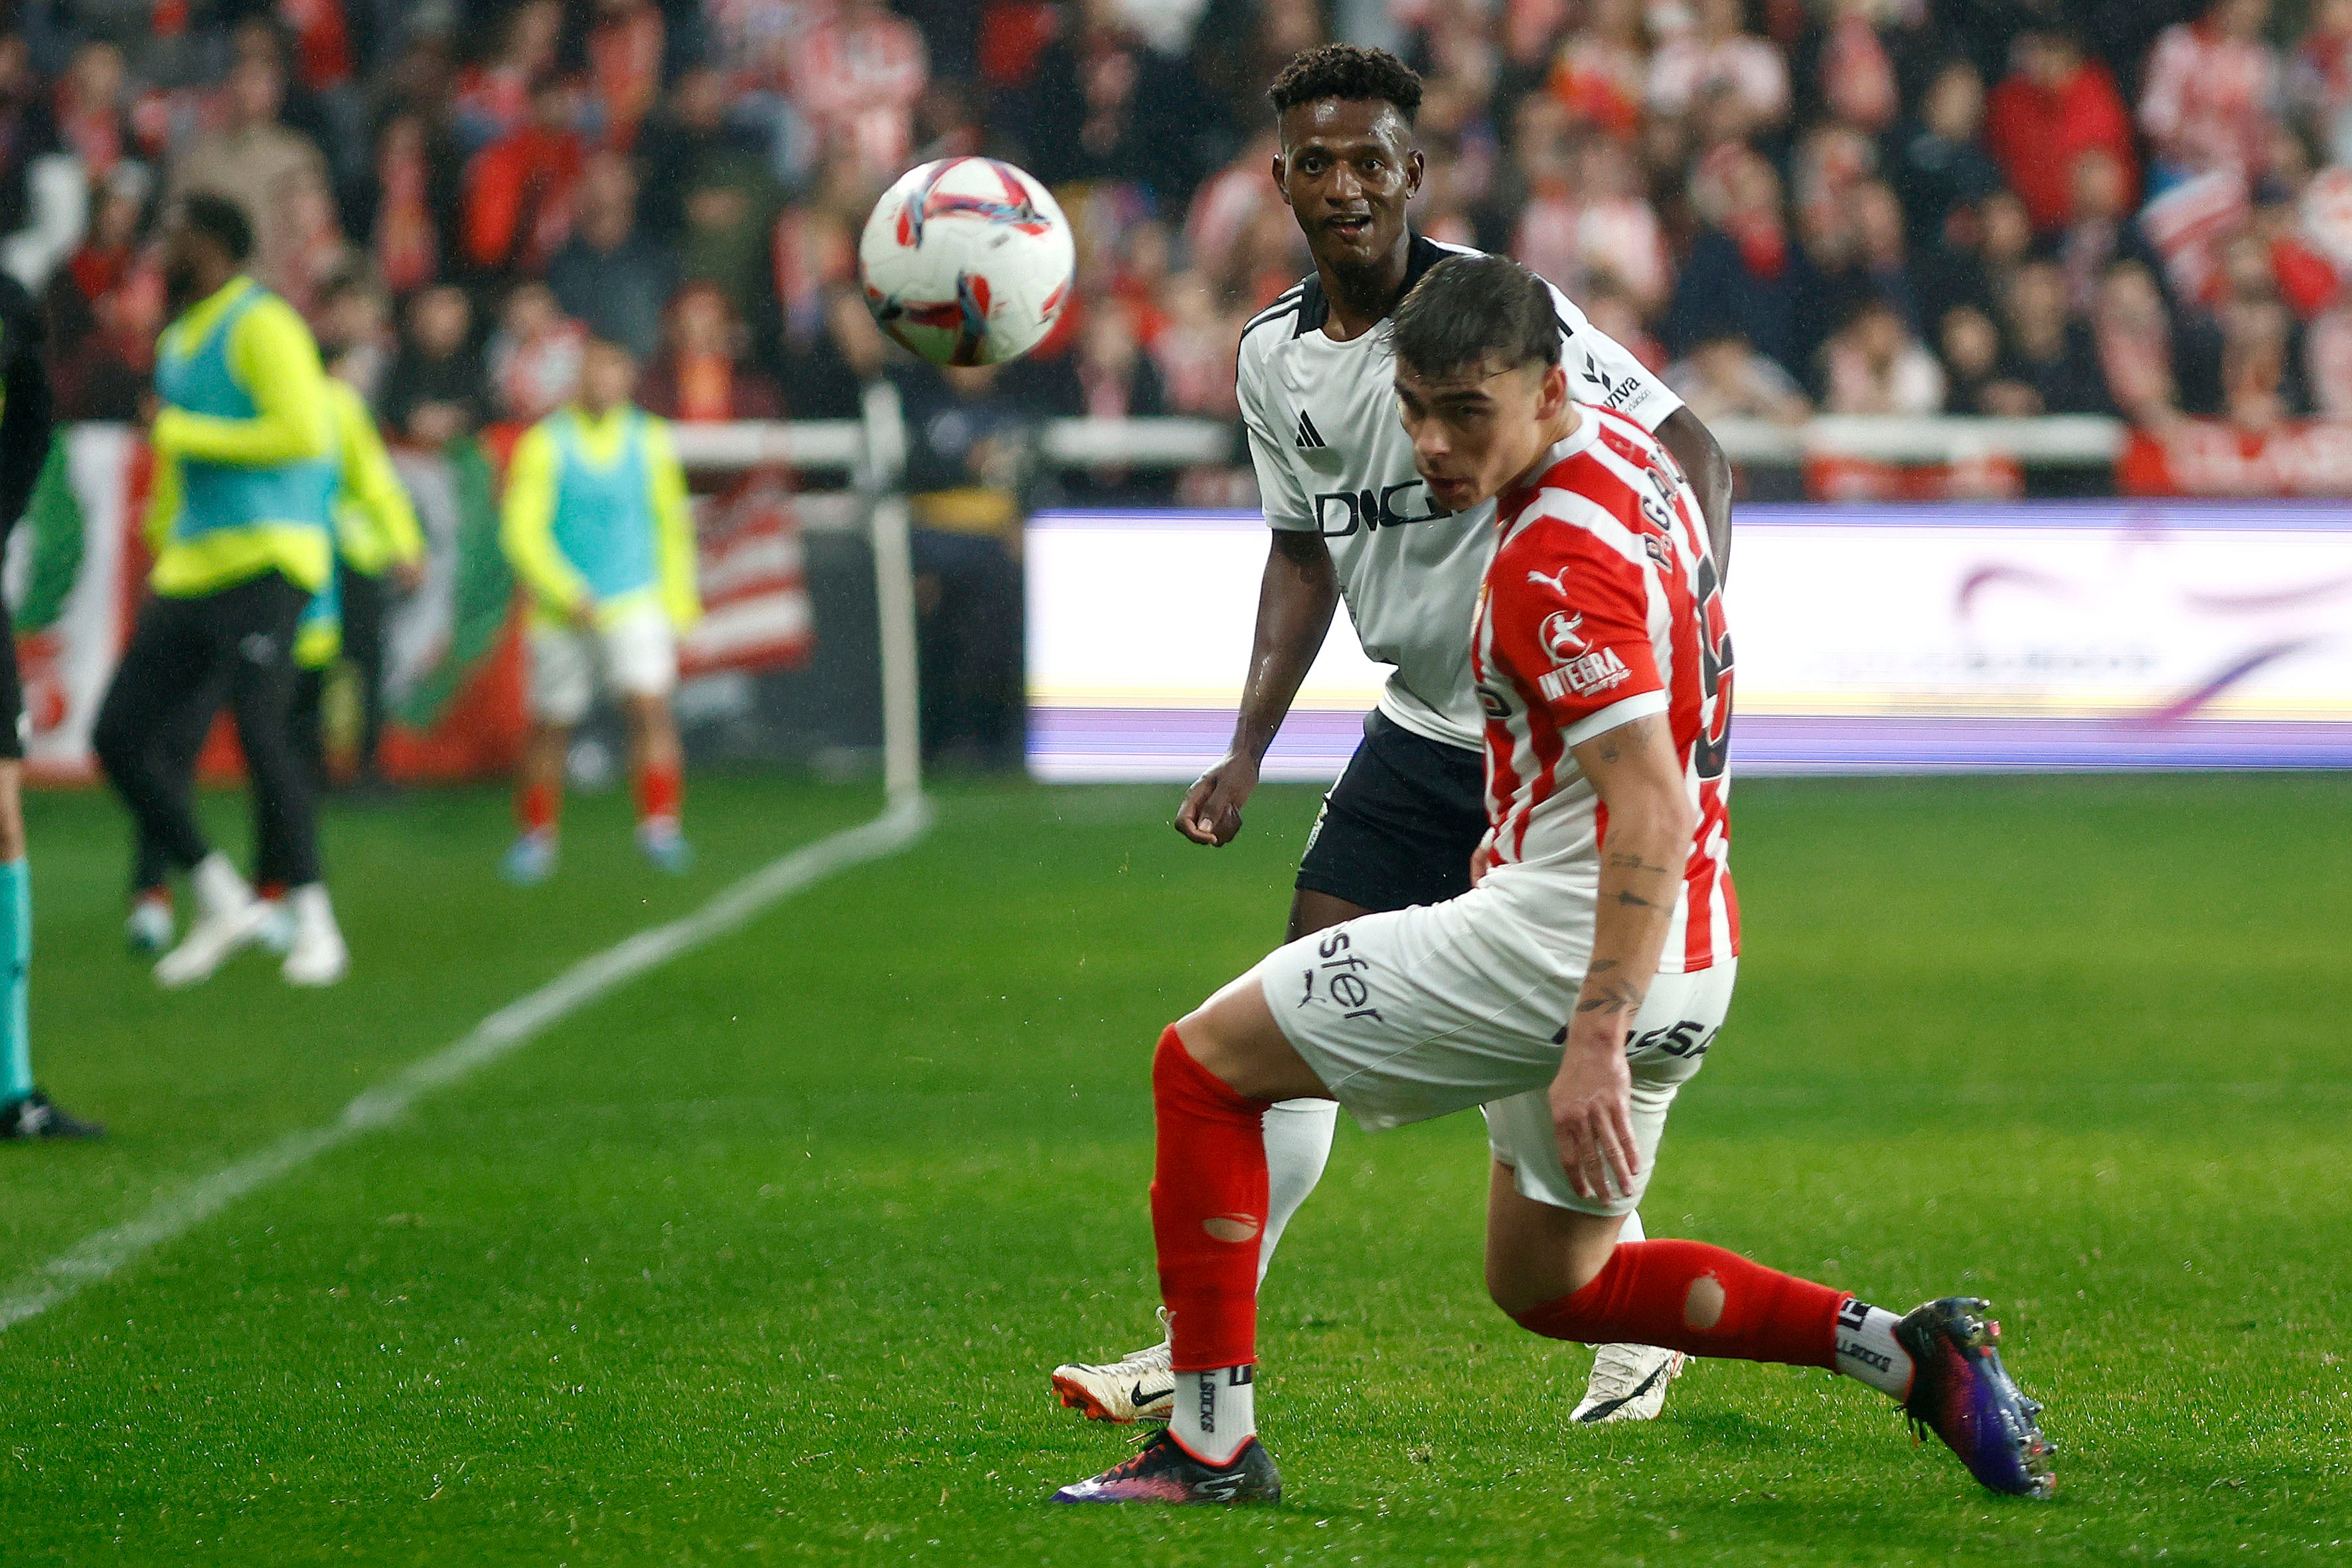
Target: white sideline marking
[{"x": 501, "y": 1034}]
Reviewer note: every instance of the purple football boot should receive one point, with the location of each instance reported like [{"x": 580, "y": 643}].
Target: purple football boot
[
  {"x": 1161, "y": 1471},
  {"x": 1960, "y": 1392}
]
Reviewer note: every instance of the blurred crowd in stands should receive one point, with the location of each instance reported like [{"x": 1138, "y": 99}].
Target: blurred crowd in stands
[{"x": 1858, "y": 206}]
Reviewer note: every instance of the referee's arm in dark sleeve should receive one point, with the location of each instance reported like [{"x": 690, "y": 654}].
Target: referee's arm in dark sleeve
[{"x": 25, "y": 424}]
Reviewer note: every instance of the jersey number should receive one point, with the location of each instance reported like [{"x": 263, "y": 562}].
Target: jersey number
[{"x": 1712, "y": 749}]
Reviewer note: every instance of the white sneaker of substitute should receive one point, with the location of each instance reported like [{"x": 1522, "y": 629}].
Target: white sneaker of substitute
[
  {"x": 317, "y": 955},
  {"x": 149, "y": 927},
  {"x": 1629, "y": 1384},
  {"x": 228, "y": 920},
  {"x": 1136, "y": 1387}
]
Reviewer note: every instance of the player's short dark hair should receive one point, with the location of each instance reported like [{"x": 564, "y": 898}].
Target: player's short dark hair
[
  {"x": 220, "y": 220},
  {"x": 1469, "y": 311},
  {"x": 1348, "y": 71}
]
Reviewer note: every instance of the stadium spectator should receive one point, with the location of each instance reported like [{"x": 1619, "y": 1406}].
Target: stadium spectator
[
  {"x": 1720, "y": 52},
  {"x": 103, "y": 309},
  {"x": 625, "y": 60},
  {"x": 2055, "y": 103},
  {"x": 27, "y": 131},
  {"x": 856, "y": 77},
  {"x": 731, "y": 214},
  {"x": 971, "y": 462},
  {"x": 1723, "y": 377},
  {"x": 2209, "y": 91},
  {"x": 609, "y": 276},
  {"x": 2051, "y": 354},
  {"x": 519, "y": 190},
  {"x": 1196, "y": 351},
  {"x": 355, "y": 337},
  {"x": 92, "y": 112},
  {"x": 2261, "y": 377},
  {"x": 1941, "y": 162},
  {"x": 312, "y": 251},
  {"x": 434, "y": 392},
  {"x": 2319, "y": 78},
  {"x": 1738, "y": 278},
  {"x": 1600, "y": 76},
  {"x": 1102, "y": 105},
  {"x": 410, "y": 191},
  {"x": 700, "y": 373},
  {"x": 687, "y": 145},
  {"x": 493, "y": 99},
  {"x": 2133, "y": 335},
  {"x": 1873, "y": 365},
  {"x": 1975, "y": 376},
  {"x": 2097, "y": 225},
  {"x": 256, "y": 163},
  {"x": 533, "y": 359}
]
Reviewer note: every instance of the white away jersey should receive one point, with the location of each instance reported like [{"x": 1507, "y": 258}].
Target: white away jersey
[
  {"x": 1602, "y": 606},
  {"x": 1332, "y": 456}
]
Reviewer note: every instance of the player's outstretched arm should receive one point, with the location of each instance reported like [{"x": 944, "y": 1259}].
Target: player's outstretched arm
[
  {"x": 1295, "y": 603},
  {"x": 1685, "y": 434},
  {"x": 1651, "y": 821}
]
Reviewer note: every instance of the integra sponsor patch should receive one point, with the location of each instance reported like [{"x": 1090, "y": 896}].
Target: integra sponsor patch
[{"x": 1595, "y": 673}]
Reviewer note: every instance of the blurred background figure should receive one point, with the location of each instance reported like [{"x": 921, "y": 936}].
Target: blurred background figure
[
  {"x": 699, "y": 374},
  {"x": 434, "y": 390},
  {"x": 596, "y": 527}
]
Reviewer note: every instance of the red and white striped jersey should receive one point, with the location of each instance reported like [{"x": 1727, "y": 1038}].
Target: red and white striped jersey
[{"x": 1603, "y": 605}]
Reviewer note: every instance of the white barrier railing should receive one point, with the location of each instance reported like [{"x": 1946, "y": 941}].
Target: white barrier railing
[{"x": 2071, "y": 440}]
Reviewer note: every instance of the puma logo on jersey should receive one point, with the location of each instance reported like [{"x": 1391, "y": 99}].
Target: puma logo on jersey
[
  {"x": 1308, "y": 436},
  {"x": 1586, "y": 676},
  {"x": 1557, "y": 581}
]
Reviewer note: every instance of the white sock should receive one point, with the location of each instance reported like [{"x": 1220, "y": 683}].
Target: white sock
[
  {"x": 1297, "y": 1145},
  {"x": 1867, "y": 1349},
  {"x": 1216, "y": 1412},
  {"x": 219, "y": 889}
]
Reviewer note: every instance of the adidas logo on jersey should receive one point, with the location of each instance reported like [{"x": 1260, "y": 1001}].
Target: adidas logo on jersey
[
  {"x": 1595, "y": 673},
  {"x": 1308, "y": 436}
]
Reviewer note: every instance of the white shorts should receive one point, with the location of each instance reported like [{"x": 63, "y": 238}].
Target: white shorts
[
  {"x": 1418, "y": 1013},
  {"x": 636, "y": 656}
]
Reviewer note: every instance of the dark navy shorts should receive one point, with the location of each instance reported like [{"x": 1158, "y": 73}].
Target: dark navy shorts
[{"x": 1399, "y": 826}]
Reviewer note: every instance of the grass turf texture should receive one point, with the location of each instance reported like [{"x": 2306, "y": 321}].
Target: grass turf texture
[{"x": 765, "y": 1259}]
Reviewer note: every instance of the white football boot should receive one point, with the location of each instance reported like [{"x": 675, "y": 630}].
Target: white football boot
[
  {"x": 229, "y": 919},
  {"x": 317, "y": 955},
  {"x": 1629, "y": 1384},
  {"x": 1136, "y": 1387}
]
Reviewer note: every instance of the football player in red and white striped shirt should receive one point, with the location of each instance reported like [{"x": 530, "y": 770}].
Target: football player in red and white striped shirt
[{"x": 1573, "y": 990}]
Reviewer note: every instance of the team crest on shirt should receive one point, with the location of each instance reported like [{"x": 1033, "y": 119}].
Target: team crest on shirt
[{"x": 1563, "y": 635}]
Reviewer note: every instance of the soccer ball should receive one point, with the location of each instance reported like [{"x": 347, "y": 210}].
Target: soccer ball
[{"x": 967, "y": 261}]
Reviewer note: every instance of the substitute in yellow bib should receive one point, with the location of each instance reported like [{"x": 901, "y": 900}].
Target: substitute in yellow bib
[
  {"x": 597, "y": 527},
  {"x": 243, "y": 479},
  {"x": 377, "y": 542}
]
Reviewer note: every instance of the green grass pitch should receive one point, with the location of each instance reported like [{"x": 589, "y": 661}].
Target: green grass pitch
[{"x": 764, "y": 1259}]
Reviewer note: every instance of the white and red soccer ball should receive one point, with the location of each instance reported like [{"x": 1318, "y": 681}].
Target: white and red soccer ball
[{"x": 967, "y": 261}]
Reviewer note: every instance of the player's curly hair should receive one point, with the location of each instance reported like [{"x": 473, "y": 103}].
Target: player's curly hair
[
  {"x": 1468, "y": 311},
  {"x": 1350, "y": 71}
]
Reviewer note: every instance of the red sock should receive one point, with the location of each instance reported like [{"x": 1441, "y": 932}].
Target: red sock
[
  {"x": 536, "y": 806},
  {"x": 1644, "y": 1298},
  {"x": 1208, "y": 1208},
  {"x": 661, "y": 788},
  {"x": 272, "y": 890}
]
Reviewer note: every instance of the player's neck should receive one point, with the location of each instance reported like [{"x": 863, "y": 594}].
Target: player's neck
[
  {"x": 1558, "y": 428},
  {"x": 1362, "y": 300}
]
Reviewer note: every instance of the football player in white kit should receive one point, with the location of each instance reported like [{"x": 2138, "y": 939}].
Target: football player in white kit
[
  {"x": 1351, "y": 519},
  {"x": 1575, "y": 987}
]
